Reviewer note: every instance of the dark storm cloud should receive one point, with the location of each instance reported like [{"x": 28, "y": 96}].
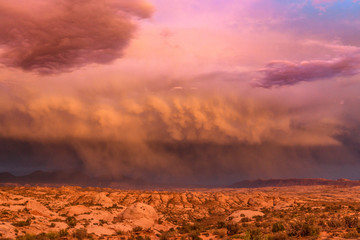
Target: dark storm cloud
[
  {"x": 59, "y": 36},
  {"x": 178, "y": 162},
  {"x": 283, "y": 73}
]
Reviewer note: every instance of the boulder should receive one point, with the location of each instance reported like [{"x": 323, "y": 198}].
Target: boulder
[
  {"x": 140, "y": 215},
  {"x": 103, "y": 200},
  {"x": 36, "y": 208},
  {"x": 237, "y": 216},
  {"x": 76, "y": 210}
]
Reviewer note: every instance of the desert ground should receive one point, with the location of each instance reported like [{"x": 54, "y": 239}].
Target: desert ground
[{"x": 313, "y": 212}]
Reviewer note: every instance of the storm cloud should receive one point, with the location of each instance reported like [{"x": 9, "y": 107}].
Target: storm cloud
[
  {"x": 211, "y": 135},
  {"x": 57, "y": 36}
]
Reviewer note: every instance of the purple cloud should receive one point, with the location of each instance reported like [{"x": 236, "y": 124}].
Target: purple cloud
[
  {"x": 282, "y": 73},
  {"x": 62, "y": 36}
]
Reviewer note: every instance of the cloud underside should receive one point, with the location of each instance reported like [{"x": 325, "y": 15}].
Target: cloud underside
[
  {"x": 204, "y": 137},
  {"x": 62, "y": 36}
]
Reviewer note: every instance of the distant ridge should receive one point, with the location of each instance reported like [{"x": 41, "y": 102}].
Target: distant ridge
[
  {"x": 78, "y": 178},
  {"x": 259, "y": 183}
]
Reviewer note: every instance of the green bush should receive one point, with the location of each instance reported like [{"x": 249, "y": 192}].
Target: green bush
[
  {"x": 232, "y": 229},
  {"x": 22, "y": 223},
  {"x": 220, "y": 225},
  {"x": 309, "y": 230},
  {"x": 277, "y": 227},
  {"x": 254, "y": 234},
  {"x": 220, "y": 233},
  {"x": 137, "y": 229},
  {"x": 351, "y": 222},
  {"x": 303, "y": 229},
  {"x": 334, "y": 223},
  {"x": 80, "y": 233},
  {"x": 195, "y": 235},
  {"x": 352, "y": 234},
  {"x": 278, "y": 236},
  {"x": 167, "y": 235},
  {"x": 71, "y": 221},
  {"x": 52, "y": 236},
  {"x": 63, "y": 233}
]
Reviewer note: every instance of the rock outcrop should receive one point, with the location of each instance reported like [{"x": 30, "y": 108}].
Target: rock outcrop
[{"x": 140, "y": 215}]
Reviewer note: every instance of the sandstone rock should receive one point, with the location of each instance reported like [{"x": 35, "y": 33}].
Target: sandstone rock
[
  {"x": 7, "y": 230},
  {"x": 36, "y": 208},
  {"x": 140, "y": 214},
  {"x": 122, "y": 227},
  {"x": 103, "y": 200},
  {"x": 100, "y": 230},
  {"x": 240, "y": 214},
  {"x": 76, "y": 210}
]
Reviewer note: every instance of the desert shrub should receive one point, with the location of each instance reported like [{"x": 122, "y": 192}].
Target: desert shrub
[
  {"x": 167, "y": 235},
  {"x": 220, "y": 224},
  {"x": 102, "y": 222},
  {"x": 63, "y": 233},
  {"x": 254, "y": 234},
  {"x": 278, "y": 236},
  {"x": 22, "y": 223},
  {"x": 352, "y": 234},
  {"x": 303, "y": 229},
  {"x": 322, "y": 223},
  {"x": 334, "y": 223},
  {"x": 220, "y": 233},
  {"x": 71, "y": 221},
  {"x": 277, "y": 227},
  {"x": 232, "y": 229},
  {"x": 137, "y": 229},
  {"x": 28, "y": 237},
  {"x": 80, "y": 233},
  {"x": 351, "y": 222},
  {"x": 187, "y": 228},
  {"x": 309, "y": 230},
  {"x": 41, "y": 236},
  {"x": 194, "y": 235},
  {"x": 334, "y": 208},
  {"x": 52, "y": 236}
]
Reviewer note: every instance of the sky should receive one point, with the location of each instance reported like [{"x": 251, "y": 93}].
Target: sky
[{"x": 181, "y": 91}]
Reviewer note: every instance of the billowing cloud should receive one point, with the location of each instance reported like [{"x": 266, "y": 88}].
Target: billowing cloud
[
  {"x": 59, "y": 36},
  {"x": 282, "y": 73},
  {"x": 211, "y": 132}
]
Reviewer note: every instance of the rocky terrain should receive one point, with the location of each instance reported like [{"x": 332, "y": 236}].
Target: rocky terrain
[{"x": 297, "y": 212}]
